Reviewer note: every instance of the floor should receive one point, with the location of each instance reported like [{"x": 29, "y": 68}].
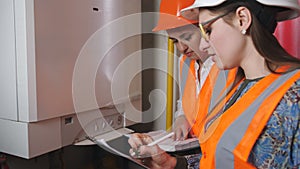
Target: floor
[{"x": 72, "y": 157}]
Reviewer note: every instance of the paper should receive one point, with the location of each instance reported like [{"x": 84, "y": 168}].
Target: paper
[
  {"x": 120, "y": 146},
  {"x": 171, "y": 145}
]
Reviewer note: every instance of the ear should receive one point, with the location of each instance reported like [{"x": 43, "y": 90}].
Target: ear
[{"x": 244, "y": 17}]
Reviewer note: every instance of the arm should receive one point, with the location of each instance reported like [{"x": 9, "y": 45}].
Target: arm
[
  {"x": 181, "y": 128},
  {"x": 279, "y": 143}
]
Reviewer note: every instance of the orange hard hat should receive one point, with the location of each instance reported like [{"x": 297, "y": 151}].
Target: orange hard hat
[{"x": 170, "y": 16}]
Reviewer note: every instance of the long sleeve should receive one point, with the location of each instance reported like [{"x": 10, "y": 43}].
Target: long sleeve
[
  {"x": 279, "y": 143},
  {"x": 188, "y": 161}
]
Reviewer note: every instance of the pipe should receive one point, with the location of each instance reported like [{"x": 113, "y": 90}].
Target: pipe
[{"x": 169, "y": 106}]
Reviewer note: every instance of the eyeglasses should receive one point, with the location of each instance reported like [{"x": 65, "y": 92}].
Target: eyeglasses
[{"x": 203, "y": 31}]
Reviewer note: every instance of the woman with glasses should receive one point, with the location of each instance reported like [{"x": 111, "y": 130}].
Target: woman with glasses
[
  {"x": 257, "y": 123},
  {"x": 194, "y": 64}
]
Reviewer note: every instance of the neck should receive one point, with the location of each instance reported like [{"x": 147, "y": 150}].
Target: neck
[{"x": 254, "y": 66}]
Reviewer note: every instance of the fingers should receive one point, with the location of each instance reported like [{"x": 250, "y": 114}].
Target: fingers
[
  {"x": 185, "y": 132},
  {"x": 149, "y": 150},
  {"x": 144, "y": 151},
  {"x": 159, "y": 158},
  {"x": 181, "y": 128},
  {"x": 136, "y": 140},
  {"x": 151, "y": 156},
  {"x": 177, "y": 129},
  {"x": 135, "y": 152},
  {"x": 179, "y": 133}
]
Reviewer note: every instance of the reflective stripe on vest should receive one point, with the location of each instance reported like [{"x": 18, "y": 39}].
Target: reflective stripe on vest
[
  {"x": 184, "y": 70},
  {"x": 204, "y": 99},
  {"x": 225, "y": 141},
  {"x": 214, "y": 87},
  {"x": 188, "y": 88},
  {"x": 219, "y": 87}
]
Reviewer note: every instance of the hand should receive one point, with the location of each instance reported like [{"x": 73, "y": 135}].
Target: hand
[
  {"x": 181, "y": 128},
  {"x": 155, "y": 157}
]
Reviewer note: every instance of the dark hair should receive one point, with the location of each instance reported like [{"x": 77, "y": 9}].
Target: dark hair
[{"x": 261, "y": 30}]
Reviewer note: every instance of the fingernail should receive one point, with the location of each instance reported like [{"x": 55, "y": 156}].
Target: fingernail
[{"x": 136, "y": 152}]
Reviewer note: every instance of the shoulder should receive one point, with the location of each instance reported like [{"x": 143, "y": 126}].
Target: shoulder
[
  {"x": 292, "y": 95},
  {"x": 278, "y": 142},
  {"x": 287, "y": 113},
  {"x": 284, "y": 119},
  {"x": 288, "y": 107}
]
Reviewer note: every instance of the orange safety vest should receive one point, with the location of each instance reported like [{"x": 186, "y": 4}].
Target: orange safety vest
[
  {"x": 189, "y": 98},
  {"x": 227, "y": 142},
  {"x": 188, "y": 94}
]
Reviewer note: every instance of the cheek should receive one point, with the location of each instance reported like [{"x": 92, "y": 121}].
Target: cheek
[
  {"x": 195, "y": 44},
  {"x": 178, "y": 47},
  {"x": 227, "y": 44}
]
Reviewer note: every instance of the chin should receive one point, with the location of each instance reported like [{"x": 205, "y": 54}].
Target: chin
[{"x": 194, "y": 58}]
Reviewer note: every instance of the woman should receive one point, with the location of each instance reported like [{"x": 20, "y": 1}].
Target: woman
[
  {"x": 247, "y": 27},
  {"x": 186, "y": 38},
  {"x": 259, "y": 125}
]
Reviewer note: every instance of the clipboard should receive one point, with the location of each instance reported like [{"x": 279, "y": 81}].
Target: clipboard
[{"x": 118, "y": 146}]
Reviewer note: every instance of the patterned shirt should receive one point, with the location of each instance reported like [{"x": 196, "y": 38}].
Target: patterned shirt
[{"x": 278, "y": 146}]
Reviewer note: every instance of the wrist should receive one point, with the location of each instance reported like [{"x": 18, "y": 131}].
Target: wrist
[
  {"x": 173, "y": 162},
  {"x": 180, "y": 162},
  {"x": 169, "y": 161}
]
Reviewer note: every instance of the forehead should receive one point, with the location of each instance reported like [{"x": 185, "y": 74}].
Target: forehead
[
  {"x": 182, "y": 29},
  {"x": 204, "y": 15}
]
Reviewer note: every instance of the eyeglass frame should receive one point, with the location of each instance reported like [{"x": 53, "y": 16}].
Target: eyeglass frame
[{"x": 211, "y": 21}]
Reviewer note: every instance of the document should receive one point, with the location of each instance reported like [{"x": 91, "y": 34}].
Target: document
[
  {"x": 121, "y": 147},
  {"x": 170, "y": 145}
]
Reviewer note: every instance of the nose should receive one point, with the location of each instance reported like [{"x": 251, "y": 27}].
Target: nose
[
  {"x": 182, "y": 47},
  {"x": 204, "y": 45}
]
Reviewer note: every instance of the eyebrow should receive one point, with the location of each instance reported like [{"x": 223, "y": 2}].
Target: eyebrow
[{"x": 214, "y": 18}]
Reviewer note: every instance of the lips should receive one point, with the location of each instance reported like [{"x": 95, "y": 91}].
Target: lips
[{"x": 189, "y": 54}]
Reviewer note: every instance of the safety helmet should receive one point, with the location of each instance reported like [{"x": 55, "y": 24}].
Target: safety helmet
[
  {"x": 170, "y": 16},
  {"x": 292, "y": 6}
]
